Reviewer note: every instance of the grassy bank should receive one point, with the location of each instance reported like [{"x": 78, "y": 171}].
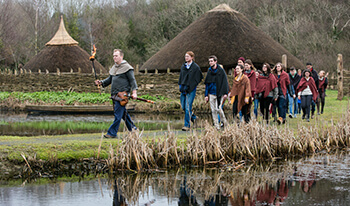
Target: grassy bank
[{"x": 154, "y": 149}]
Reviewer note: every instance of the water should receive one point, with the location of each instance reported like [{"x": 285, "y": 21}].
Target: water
[
  {"x": 319, "y": 180},
  {"x": 24, "y": 124}
]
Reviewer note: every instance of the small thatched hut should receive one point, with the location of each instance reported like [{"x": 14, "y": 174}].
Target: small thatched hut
[
  {"x": 225, "y": 33},
  {"x": 62, "y": 52}
]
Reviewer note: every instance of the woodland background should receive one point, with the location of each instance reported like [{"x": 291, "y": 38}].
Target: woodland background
[{"x": 312, "y": 30}]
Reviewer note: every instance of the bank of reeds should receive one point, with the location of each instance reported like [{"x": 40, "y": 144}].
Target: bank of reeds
[{"x": 248, "y": 142}]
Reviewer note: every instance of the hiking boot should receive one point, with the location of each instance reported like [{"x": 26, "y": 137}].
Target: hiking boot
[
  {"x": 279, "y": 120},
  {"x": 185, "y": 128},
  {"x": 194, "y": 122},
  {"x": 308, "y": 120},
  {"x": 290, "y": 116},
  {"x": 109, "y": 136}
]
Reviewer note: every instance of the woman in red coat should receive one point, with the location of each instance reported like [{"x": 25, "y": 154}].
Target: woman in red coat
[
  {"x": 307, "y": 92},
  {"x": 266, "y": 90},
  {"x": 283, "y": 85}
]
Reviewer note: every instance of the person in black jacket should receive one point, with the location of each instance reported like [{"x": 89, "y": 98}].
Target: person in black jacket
[
  {"x": 294, "y": 79},
  {"x": 216, "y": 90},
  {"x": 314, "y": 75},
  {"x": 190, "y": 76}
]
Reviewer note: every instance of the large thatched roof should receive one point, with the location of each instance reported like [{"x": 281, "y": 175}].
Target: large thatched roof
[
  {"x": 225, "y": 33},
  {"x": 62, "y": 52}
]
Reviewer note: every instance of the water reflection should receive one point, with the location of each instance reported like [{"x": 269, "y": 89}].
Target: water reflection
[{"x": 319, "y": 180}]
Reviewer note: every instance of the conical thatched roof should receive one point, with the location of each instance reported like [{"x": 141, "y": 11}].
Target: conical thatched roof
[
  {"x": 225, "y": 33},
  {"x": 62, "y": 52},
  {"x": 61, "y": 37}
]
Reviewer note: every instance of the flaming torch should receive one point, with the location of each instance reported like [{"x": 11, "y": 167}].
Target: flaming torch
[{"x": 92, "y": 59}]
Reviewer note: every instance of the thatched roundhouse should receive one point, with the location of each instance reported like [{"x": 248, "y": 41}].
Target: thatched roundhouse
[
  {"x": 225, "y": 33},
  {"x": 62, "y": 52}
]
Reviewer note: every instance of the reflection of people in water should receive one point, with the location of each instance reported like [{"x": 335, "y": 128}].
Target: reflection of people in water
[
  {"x": 308, "y": 183},
  {"x": 219, "y": 199},
  {"x": 282, "y": 191},
  {"x": 118, "y": 198},
  {"x": 241, "y": 200},
  {"x": 266, "y": 194},
  {"x": 186, "y": 195}
]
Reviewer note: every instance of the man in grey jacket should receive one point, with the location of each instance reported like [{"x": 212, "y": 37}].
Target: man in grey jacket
[{"x": 122, "y": 79}]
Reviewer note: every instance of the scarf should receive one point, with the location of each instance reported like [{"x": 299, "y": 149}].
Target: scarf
[
  {"x": 311, "y": 83},
  {"x": 283, "y": 80},
  {"x": 266, "y": 84}
]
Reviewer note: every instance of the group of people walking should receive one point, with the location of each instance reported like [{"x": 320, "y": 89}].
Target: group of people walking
[{"x": 276, "y": 89}]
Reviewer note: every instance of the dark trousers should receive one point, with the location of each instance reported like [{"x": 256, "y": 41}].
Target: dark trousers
[
  {"x": 119, "y": 114},
  {"x": 306, "y": 101},
  {"x": 321, "y": 100},
  {"x": 244, "y": 110},
  {"x": 265, "y": 107},
  {"x": 282, "y": 106}
]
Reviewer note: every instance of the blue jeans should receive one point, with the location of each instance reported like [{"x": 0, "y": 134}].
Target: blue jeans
[
  {"x": 186, "y": 104},
  {"x": 282, "y": 109},
  {"x": 119, "y": 114},
  {"x": 256, "y": 104},
  {"x": 292, "y": 102}
]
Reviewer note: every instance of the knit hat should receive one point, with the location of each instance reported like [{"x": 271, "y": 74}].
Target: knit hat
[{"x": 242, "y": 59}]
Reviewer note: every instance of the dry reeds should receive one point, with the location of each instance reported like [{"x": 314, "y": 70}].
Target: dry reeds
[{"x": 253, "y": 141}]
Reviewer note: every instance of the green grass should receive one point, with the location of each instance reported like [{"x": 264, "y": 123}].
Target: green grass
[{"x": 68, "y": 98}]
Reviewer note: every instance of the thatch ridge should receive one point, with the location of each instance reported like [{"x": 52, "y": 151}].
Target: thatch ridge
[
  {"x": 225, "y": 33},
  {"x": 61, "y": 37}
]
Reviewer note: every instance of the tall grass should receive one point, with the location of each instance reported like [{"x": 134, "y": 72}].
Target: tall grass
[{"x": 247, "y": 142}]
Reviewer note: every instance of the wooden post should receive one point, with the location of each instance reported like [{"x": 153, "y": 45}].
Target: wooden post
[
  {"x": 168, "y": 70},
  {"x": 137, "y": 69},
  {"x": 146, "y": 71},
  {"x": 79, "y": 70},
  {"x": 39, "y": 71},
  {"x": 47, "y": 71},
  {"x": 340, "y": 77},
  {"x": 71, "y": 70},
  {"x": 58, "y": 72},
  {"x": 284, "y": 60},
  {"x": 156, "y": 71}
]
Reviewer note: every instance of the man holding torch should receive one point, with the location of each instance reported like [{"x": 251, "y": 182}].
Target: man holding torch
[{"x": 123, "y": 82}]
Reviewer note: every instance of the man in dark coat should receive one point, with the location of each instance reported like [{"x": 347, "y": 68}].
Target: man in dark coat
[
  {"x": 294, "y": 79},
  {"x": 190, "y": 76},
  {"x": 216, "y": 90}
]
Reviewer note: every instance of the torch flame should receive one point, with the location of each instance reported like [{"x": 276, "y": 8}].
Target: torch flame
[{"x": 92, "y": 58}]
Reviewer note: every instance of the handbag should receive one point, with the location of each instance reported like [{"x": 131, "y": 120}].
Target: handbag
[{"x": 121, "y": 97}]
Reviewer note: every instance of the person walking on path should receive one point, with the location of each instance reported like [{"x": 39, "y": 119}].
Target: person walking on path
[
  {"x": 190, "y": 76},
  {"x": 314, "y": 75},
  {"x": 216, "y": 90},
  {"x": 249, "y": 70},
  {"x": 283, "y": 83},
  {"x": 307, "y": 92},
  {"x": 240, "y": 94},
  {"x": 323, "y": 82},
  {"x": 266, "y": 90},
  {"x": 122, "y": 80},
  {"x": 294, "y": 79}
]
